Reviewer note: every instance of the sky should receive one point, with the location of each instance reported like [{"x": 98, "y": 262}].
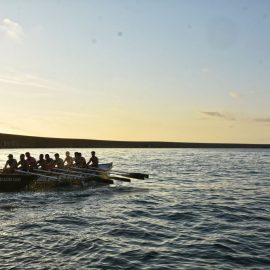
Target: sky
[{"x": 145, "y": 70}]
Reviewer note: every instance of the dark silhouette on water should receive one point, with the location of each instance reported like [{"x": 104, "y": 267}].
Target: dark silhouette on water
[
  {"x": 58, "y": 162},
  {"x": 81, "y": 162},
  {"x": 93, "y": 162},
  {"x": 41, "y": 162},
  {"x": 23, "y": 165},
  {"x": 49, "y": 162},
  {"x": 31, "y": 161},
  {"x": 68, "y": 160},
  {"x": 11, "y": 164}
]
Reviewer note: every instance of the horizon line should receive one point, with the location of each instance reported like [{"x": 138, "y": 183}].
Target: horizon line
[{"x": 123, "y": 141}]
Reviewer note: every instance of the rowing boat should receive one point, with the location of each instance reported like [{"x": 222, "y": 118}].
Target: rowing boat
[
  {"x": 41, "y": 180},
  {"x": 15, "y": 181}
]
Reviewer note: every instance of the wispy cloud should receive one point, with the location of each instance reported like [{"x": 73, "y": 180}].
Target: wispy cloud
[
  {"x": 235, "y": 95},
  {"x": 71, "y": 114},
  {"x": 12, "y": 30},
  {"x": 10, "y": 127},
  {"x": 205, "y": 70},
  {"x": 24, "y": 80},
  {"x": 214, "y": 114},
  {"x": 241, "y": 95},
  {"x": 33, "y": 81},
  {"x": 262, "y": 120}
]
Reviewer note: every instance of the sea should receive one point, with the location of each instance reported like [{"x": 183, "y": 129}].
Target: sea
[{"x": 199, "y": 209}]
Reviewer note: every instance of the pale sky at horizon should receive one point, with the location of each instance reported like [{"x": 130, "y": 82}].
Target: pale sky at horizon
[{"x": 176, "y": 70}]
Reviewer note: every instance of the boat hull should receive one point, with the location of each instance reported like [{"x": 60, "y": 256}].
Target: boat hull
[
  {"x": 10, "y": 182},
  {"x": 45, "y": 185},
  {"x": 15, "y": 182}
]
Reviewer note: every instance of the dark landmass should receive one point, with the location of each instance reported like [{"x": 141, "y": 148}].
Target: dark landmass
[{"x": 20, "y": 141}]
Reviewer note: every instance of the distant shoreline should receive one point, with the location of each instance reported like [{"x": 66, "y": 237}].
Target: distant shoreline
[{"x": 21, "y": 141}]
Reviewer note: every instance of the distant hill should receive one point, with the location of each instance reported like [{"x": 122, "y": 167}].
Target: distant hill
[{"x": 20, "y": 141}]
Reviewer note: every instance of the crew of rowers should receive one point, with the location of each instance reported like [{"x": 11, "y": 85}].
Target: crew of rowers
[{"x": 29, "y": 163}]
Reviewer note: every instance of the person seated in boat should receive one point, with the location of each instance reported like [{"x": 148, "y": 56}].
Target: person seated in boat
[
  {"x": 31, "y": 161},
  {"x": 58, "y": 162},
  {"x": 41, "y": 163},
  {"x": 23, "y": 165},
  {"x": 76, "y": 159},
  {"x": 93, "y": 162},
  {"x": 49, "y": 162},
  {"x": 11, "y": 165},
  {"x": 81, "y": 161},
  {"x": 68, "y": 160}
]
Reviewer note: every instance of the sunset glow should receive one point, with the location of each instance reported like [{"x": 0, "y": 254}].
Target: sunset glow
[{"x": 187, "y": 71}]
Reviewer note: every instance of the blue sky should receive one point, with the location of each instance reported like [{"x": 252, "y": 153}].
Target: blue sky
[{"x": 136, "y": 70}]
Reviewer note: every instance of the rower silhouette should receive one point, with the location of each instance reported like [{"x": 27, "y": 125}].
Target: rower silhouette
[
  {"x": 58, "y": 162},
  {"x": 11, "y": 164},
  {"x": 31, "y": 161},
  {"x": 68, "y": 160},
  {"x": 23, "y": 164},
  {"x": 41, "y": 163},
  {"x": 93, "y": 162},
  {"x": 49, "y": 162}
]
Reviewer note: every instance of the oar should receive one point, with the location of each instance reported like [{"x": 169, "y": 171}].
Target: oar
[
  {"x": 58, "y": 173},
  {"x": 120, "y": 178},
  {"x": 141, "y": 176},
  {"x": 132, "y": 174},
  {"x": 88, "y": 170},
  {"x": 124, "y": 179},
  {"x": 36, "y": 174},
  {"x": 69, "y": 171},
  {"x": 119, "y": 173}
]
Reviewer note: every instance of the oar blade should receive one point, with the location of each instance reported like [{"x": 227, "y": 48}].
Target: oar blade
[
  {"x": 120, "y": 178},
  {"x": 140, "y": 176}
]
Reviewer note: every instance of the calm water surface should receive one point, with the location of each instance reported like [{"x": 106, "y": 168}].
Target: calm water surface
[{"x": 201, "y": 209}]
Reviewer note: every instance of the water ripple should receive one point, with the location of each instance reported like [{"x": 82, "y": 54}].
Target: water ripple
[{"x": 201, "y": 209}]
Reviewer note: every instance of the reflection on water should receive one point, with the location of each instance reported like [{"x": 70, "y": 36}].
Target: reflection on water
[{"x": 204, "y": 209}]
